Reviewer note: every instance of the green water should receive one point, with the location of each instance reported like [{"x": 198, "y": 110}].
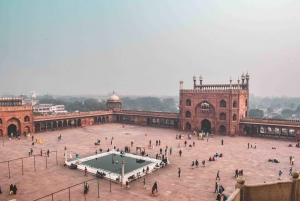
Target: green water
[{"x": 114, "y": 162}]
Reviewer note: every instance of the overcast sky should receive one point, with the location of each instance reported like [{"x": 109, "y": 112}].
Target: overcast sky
[{"x": 146, "y": 47}]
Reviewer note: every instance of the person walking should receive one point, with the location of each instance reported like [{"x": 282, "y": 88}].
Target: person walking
[
  {"x": 194, "y": 144},
  {"x": 86, "y": 188},
  {"x": 159, "y": 142},
  {"x": 85, "y": 171},
  {"x": 193, "y": 164},
  {"x": 222, "y": 141},
  {"x": 291, "y": 170},
  {"x": 254, "y": 145},
  {"x": 197, "y": 163},
  {"x": 155, "y": 185},
  {"x": 236, "y": 173},
  {"x": 180, "y": 152},
  {"x": 248, "y": 145},
  {"x": 48, "y": 153},
  {"x": 171, "y": 150},
  {"x": 29, "y": 151},
  {"x": 32, "y": 138},
  {"x": 293, "y": 160},
  {"x": 160, "y": 150},
  {"x": 218, "y": 175},
  {"x": 179, "y": 171},
  {"x": 219, "y": 197},
  {"x": 153, "y": 190},
  {"x": 72, "y": 156},
  {"x": 144, "y": 182},
  {"x": 41, "y": 152},
  {"x": 185, "y": 142},
  {"x": 216, "y": 187},
  {"x": 280, "y": 175},
  {"x": 203, "y": 163}
]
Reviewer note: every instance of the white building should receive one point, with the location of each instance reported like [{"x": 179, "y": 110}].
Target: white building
[
  {"x": 49, "y": 109},
  {"x": 58, "y": 109}
]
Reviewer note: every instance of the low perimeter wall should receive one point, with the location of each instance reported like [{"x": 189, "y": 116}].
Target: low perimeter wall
[{"x": 276, "y": 191}]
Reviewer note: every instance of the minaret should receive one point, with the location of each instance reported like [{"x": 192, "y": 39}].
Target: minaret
[
  {"x": 21, "y": 98},
  {"x": 238, "y": 81},
  {"x": 180, "y": 85},
  {"x": 200, "y": 78},
  {"x": 230, "y": 81},
  {"x": 247, "y": 79},
  {"x": 243, "y": 78},
  {"x": 194, "y": 79}
]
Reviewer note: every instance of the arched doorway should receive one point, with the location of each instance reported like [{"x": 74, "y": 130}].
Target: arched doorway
[
  {"x": 247, "y": 130},
  {"x": 27, "y": 129},
  {"x": 206, "y": 126},
  {"x": 12, "y": 129},
  {"x": 79, "y": 122},
  {"x": 148, "y": 121},
  {"x": 187, "y": 126},
  {"x": 222, "y": 129}
]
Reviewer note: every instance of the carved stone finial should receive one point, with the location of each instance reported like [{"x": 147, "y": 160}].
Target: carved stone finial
[{"x": 295, "y": 175}]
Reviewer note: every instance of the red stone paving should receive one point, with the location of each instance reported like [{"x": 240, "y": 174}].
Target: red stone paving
[{"x": 194, "y": 184}]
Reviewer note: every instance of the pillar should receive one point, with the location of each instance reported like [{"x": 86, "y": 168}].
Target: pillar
[
  {"x": 167, "y": 156},
  {"x": 122, "y": 174},
  {"x": 295, "y": 186},
  {"x": 66, "y": 155},
  {"x": 240, "y": 183}
]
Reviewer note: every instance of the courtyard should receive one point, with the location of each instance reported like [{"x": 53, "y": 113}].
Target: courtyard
[{"x": 194, "y": 184}]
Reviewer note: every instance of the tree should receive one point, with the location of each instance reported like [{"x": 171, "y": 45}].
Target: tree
[
  {"x": 270, "y": 109},
  {"x": 277, "y": 116},
  {"x": 287, "y": 112},
  {"x": 256, "y": 113},
  {"x": 297, "y": 111},
  {"x": 293, "y": 105}
]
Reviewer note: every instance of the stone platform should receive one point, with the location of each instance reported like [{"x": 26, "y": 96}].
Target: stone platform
[{"x": 194, "y": 184}]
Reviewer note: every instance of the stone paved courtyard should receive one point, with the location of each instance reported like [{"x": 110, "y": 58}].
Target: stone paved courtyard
[{"x": 194, "y": 184}]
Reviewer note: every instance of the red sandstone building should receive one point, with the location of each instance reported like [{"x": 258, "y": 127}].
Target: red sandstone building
[
  {"x": 15, "y": 118},
  {"x": 213, "y": 108}
]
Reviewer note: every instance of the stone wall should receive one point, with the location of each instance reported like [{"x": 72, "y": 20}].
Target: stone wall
[
  {"x": 269, "y": 191},
  {"x": 275, "y": 191},
  {"x": 235, "y": 196}
]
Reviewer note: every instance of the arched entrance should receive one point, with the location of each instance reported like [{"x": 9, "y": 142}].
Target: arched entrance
[
  {"x": 206, "y": 126},
  {"x": 222, "y": 129},
  {"x": 247, "y": 130},
  {"x": 12, "y": 129},
  {"x": 27, "y": 129}
]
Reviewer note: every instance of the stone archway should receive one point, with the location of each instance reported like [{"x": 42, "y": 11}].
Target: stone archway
[
  {"x": 247, "y": 130},
  {"x": 222, "y": 129},
  {"x": 27, "y": 130},
  {"x": 205, "y": 126},
  {"x": 12, "y": 129},
  {"x": 13, "y": 126}
]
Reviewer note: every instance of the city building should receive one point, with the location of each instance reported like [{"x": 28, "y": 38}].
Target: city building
[{"x": 49, "y": 109}]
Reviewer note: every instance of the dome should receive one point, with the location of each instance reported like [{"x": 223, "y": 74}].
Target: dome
[{"x": 113, "y": 97}]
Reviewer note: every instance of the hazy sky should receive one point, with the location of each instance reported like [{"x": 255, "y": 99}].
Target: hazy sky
[{"x": 145, "y": 47}]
